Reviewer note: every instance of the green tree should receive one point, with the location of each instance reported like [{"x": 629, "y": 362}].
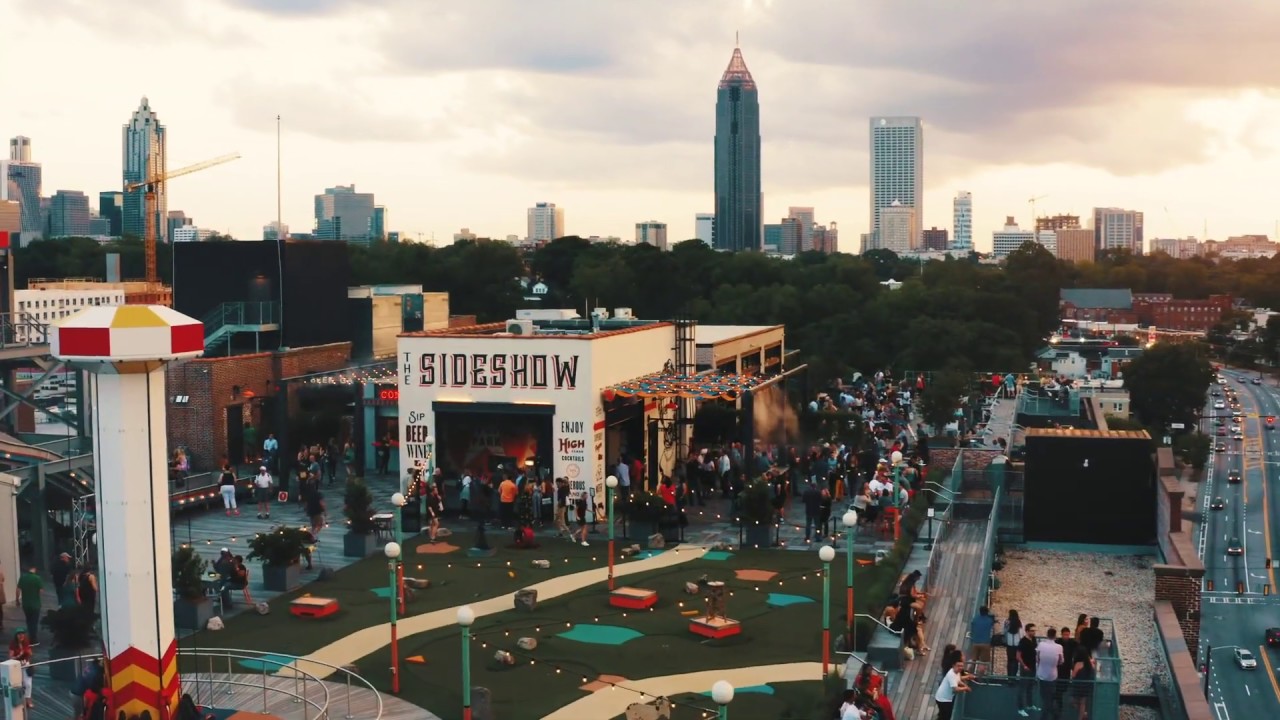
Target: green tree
[
  {"x": 1167, "y": 384},
  {"x": 943, "y": 396}
]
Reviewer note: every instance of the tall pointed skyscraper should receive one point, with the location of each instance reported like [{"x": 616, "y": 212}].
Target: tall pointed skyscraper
[
  {"x": 738, "y": 199},
  {"x": 144, "y": 156}
]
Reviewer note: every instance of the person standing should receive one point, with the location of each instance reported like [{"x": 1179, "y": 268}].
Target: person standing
[
  {"x": 262, "y": 483},
  {"x": 952, "y": 683},
  {"x": 464, "y": 494},
  {"x": 1012, "y": 636},
  {"x": 1048, "y": 658},
  {"x": 1026, "y": 671},
  {"x": 28, "y": 598},
  {"x": 812, "y": 500},
  {"x": 623, "y": 472},
  {"x": 507, "y": 491},
  {"x": 87, "y": 589},
  {"x": 562, "y": 509},
  {"x": 435, "y": 509},
  {"x": 981, "y": 630},
  {"x": 227, "y": 486}
]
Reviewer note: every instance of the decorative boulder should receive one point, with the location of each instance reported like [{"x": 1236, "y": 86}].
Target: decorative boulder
[
  {"x": 262, "y": 608},
  {"x": 527, "y": 643},
  {"x": 443, "y": 532},
  {"x": 659, "y": 709},
  {"x": 543, "y": 564},
  {"x": 691, "y": 588},
  {"x": 417, "y": 583},
  {"x": 657, "y": 542},
  {"x": 526, "y": 600},
  {"x": 628, "y": 552},
  {"x": 215, "y": 623},
  {"x": 482, "y": 704},
  {"x": 502, "y": 657},
  {"x": 635, "y": 547}
]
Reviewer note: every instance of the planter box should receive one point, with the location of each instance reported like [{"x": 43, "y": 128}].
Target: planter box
[
  {"x": 277, "y": 578},
  {"x": 192, "y": 614},
  {"x": 359, "y": 546},
  {"x": 758, "y": 535},
  {"x": 411, "y": 518}
]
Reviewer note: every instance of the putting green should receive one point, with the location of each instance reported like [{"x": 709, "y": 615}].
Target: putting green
[
  {"x": 780, "y": 600},
  {"x": 600, "y": 634}
]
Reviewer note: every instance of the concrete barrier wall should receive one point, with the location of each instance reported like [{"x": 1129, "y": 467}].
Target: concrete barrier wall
[{"x": 1182, "y": 664}]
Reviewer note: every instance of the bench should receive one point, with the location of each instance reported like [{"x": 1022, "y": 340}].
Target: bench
[{"x": 313, "y": 608}]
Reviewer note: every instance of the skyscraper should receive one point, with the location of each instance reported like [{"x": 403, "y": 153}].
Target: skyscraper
[
  {"x": 739, "y": 216},
  {"x": 546, "y": 222},
  {"x": 378, "y": 224},
  {"x": 962, "y": 221},
  {"x": 805, "y": 216},
  {"x": 144, "y": 157},
  {"x": 897, "y": 169},
  {"x": 344, "y": 214},
  {"x": 20, "y": 181},
  {"x": 704, "y": 227},
  {"x": 792, "y": 236},
  {"x": 899, "y": 228},
  {"x": 1117, "y": 229},
  {"x": 653, "y": 233},
  {"x": 111, "y": 209},
  {"x": 68, "y": 214}
]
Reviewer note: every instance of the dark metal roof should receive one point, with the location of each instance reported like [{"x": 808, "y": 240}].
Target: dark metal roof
[{"x": 1099, "y": 298}]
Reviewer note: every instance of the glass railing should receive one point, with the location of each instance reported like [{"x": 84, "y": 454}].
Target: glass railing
[
  {"x": 242, "y": 680},
  {"x": 241, "y": 313}
]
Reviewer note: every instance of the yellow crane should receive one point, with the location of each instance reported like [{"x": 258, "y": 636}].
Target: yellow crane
[
  {"x": 1033, "y": 208},
  {"x": 155, "y": 184}
]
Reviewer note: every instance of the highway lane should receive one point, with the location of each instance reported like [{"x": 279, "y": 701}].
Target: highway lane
[{"x": 1231, "y": 618}]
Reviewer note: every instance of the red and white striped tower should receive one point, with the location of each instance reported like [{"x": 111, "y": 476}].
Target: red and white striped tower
[{"x": 125, "y": 350}]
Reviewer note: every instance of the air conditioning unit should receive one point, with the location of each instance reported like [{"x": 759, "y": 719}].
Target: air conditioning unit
[
  {"x": 623, "y": 314},
  {"x": 520, "y": 327},
  {"x": 600, "y": 313}
]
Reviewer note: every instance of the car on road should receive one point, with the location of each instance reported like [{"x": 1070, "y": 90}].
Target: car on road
[
  {"x": 1234, "y": 547},
  {"x": 1273, "y": 636},
  {"x": 1215, "y": 393},
  {"x": 1271, "y": 423},
  {"x": 1237, "y": 419},
  {"x": 1245, "y": 659},
  {"x": 1237, "y": 413},
  {"x": 1257, "y": 381},
  {"x": 1239, "y": 436},
  {"x": 1219, "y": 405},
  {"x": 1233, "y": 477},
  {"x": 1218, "y": 422},
  {"x": 1222, "y": 432},
  {"x": 1218, "y": 504},
  {"x": 1220, "y": 447}
]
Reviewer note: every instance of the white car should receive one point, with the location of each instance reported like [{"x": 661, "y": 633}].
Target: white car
[
  {"x": 1219, "y": 405},
  {"x": 1245, "y": 659}
]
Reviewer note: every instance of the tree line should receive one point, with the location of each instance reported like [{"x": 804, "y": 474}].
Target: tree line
[{"x": 953, "y": 314}]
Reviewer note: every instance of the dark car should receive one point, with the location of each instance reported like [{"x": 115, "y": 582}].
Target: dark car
[
  {"x": 1233, "y": 477},
  {"x": 1217, "y": 504},
  {"x": 1220, "y": 447},
  {"x": 1271, "y": 423},
  {"x": 1234, "y": 547},
  {"x": 1273, "y": 636}
]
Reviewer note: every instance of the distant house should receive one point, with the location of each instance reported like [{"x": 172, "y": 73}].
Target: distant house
[{"x": 1106, "y": 305}]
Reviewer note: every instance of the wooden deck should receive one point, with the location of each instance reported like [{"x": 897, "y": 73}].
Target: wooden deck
[
  {"x": 245, "y": 691},
  {"x": 948, "y": 611}
]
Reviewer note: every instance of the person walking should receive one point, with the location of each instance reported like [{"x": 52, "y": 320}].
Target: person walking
[
  {"x": 1026, "y": 671},
  {"x": 227, "y": 486},
  {"x": 1048, "y": 658},
  {"x": 28, "y": 598},
  {"x": 1012, "y": 636}
]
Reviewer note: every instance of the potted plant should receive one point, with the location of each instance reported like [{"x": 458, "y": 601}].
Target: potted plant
[
  {"x": 191, "y": 608},
  {"x": 757, "y": 514},
  {"x": 358, "y": 507},
  {"x": 280, "y": 550},
  {"x": 73, "y": 633}
]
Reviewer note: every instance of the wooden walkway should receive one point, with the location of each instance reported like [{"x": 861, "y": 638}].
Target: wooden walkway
[
  {"x": 949, "y": 612},
  {"x": 245, "y": 691}
]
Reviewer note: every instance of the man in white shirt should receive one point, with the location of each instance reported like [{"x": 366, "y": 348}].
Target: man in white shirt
[
  {"x": 952, "y": 683},
  {"x": 262, "y": 483},
  {"x": 623, "y": 472},
  {"x": 1048, "y": 658}
]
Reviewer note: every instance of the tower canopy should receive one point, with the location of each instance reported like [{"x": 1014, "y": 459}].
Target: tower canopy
[{"x": 737, "y": 73}]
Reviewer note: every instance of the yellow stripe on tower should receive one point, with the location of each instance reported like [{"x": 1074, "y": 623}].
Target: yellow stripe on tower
[
  {"x": 135, "y": 708},
  {"x": 136, "y": 316},
  {"x": 132, "y": 674}
]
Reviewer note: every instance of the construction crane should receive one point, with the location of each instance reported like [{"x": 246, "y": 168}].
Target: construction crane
[
  {"x": 1033, "y": 208},
  {"x": 153, "y": 185}
]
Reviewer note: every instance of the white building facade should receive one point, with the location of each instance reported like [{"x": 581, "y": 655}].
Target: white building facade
[
  {"x": 546, "y": 222},
  {"x": 962, "y": 221},
  {"x": 1010, "y": 238},
  {"x": 1117, "y": 229},
  {"x": 49, "y": 306},
  {"x": 899, "y": 228},
  {"x": 897, "y": 169},
  {"x": 704, "y": 227}
]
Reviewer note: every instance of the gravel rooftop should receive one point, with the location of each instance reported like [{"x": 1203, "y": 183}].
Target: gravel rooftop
[{"x": 1050, "y": 588}]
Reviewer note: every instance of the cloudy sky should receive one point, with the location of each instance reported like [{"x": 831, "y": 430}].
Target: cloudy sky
[{"x": 464, "y": 113}]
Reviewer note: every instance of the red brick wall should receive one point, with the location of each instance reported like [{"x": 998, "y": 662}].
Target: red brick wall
[
  {"x": 211, "y": 383},
  {"x": 1178, "y": 581},
  {"x": 1180, "y": 586}
]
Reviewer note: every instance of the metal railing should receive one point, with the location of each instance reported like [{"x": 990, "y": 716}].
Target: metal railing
[
  {"x": 276, "y": 674},
  {"x": 241, "y": 313},
  {"x": 942, "y": 524},
  {"x": 20, "y": 329}
]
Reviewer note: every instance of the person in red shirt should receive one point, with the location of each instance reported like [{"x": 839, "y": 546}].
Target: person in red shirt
[
  {"x": 20, "y": 650},
  {"x": 668, "y": 492}
]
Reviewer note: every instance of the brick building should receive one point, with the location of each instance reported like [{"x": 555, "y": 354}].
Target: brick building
[
  {"x": 211, "y": 399},
  {"x": 935, "y": 239},
  {"x": 1164, "y": 311}
]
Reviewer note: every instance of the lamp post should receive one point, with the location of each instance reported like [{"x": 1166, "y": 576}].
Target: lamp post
[
  {"x": 466, "y": 616},
  {"x": 929, "y": 544},
  {"x": 392, "y": 551},
  {"x": 850, "y": 521},
  {"x": 826, "y": 555},
  {"x": 610, "y": 489},
  {"x": 399, "y": 501},
  {"x": 722, "y": 694}
]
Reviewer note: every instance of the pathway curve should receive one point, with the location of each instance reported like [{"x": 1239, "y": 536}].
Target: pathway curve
[
  {"x": 607, "y": 704},
  {"x": 371, "y": 639}
]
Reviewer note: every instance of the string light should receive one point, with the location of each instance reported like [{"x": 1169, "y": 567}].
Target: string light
[{"x": 380, "y": 373}]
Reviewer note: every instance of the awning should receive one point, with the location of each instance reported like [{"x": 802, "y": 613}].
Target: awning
[{"x": 708, "y": 386}]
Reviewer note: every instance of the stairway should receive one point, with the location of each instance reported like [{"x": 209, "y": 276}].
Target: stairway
[{"x": 230, "y": 318}]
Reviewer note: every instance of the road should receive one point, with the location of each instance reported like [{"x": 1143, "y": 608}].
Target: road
[{"x": 1240, "y": 600}]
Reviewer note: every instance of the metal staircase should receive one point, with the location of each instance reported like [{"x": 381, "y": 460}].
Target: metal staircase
[{"x": 232, "y": 318}]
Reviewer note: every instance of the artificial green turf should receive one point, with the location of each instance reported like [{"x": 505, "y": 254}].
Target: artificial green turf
[
  {"x": 789, "y": 701},
  {"x": 455, "y": 580},
  {"x": 549, "y": 677}
]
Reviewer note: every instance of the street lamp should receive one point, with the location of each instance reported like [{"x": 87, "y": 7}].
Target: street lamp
[
  {"x": 850, "y": 521},
  {"x": 722, "y": 694},
  {"x": 466, "y": 616},
  {"x": 610, "y": 485},
  {"x": 399, "y": 501},
  {"x": 826, "y": 555},
  {"x": 392, "y": 551},
  {"x": 929, "y": 544}
]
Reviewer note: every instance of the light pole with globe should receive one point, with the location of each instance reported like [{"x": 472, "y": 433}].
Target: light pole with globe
[
  {"x": 826, "y": 555},
  {"x": 610, "y": 489},
  {"x": 466, "y": 616},
  {"x": 722, "y": 694},
  {"x": 392, "y": 551},
  {"x": 850, "y": 521},
  {"x": 399, "y": 501}
]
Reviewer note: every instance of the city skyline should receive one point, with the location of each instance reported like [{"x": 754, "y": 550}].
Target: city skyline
[{"x": 491, "y": 136}]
